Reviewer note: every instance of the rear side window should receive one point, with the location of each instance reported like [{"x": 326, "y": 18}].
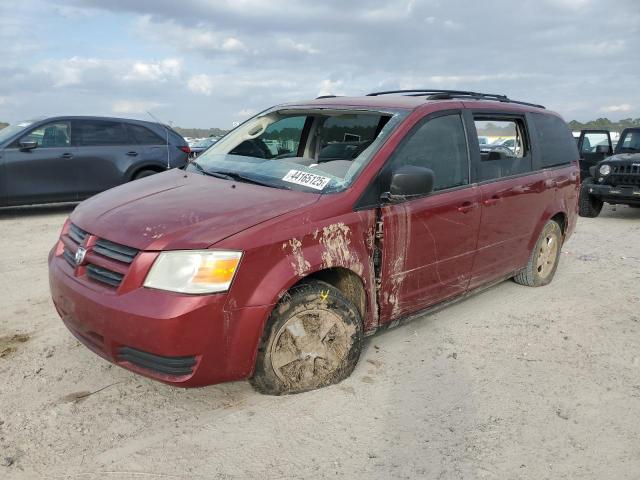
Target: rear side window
[
  {"x": 441, "y": 145},
  {"x": 143, "y": 136},
  {"x": 507, "y": 152},
  {"x": 101, "y": 133},
  {"x": 557, "y": 146}
]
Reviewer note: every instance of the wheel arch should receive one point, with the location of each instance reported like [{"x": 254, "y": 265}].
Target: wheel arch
[
  {"x": 558, "y": 216},
  {"x": 137, "y": 168}
]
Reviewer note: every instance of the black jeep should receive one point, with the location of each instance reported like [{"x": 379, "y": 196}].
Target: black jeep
[{"x": 615, "y": 179}]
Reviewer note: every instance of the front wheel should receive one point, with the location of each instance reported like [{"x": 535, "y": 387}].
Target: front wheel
[
  {"x": 544, "y": 258},
  {"x": 313, "y": 339},
  {"x": 588, "y": 205}
]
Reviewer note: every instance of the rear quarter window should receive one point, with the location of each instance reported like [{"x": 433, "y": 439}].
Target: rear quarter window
[
  {"x": 556, "y": 143},
  {"x": 143, "y": 136}
]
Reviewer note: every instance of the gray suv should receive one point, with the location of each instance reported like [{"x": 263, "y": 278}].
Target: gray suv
[{"x": 67, "y": 159}]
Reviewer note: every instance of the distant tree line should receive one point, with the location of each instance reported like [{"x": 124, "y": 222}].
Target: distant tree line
[
  {"x": 605, "y": 124},
  {"x": 200, "y": 132},
  {"x": 3, "y": 124}
]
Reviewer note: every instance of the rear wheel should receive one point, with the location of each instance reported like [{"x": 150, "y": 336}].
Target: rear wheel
[
  {"x": 144, "y": 173},
  {"x": 313, "y": 339},
  {"x": 544, "y": 258},
  {"x": 588, "y": 205}
]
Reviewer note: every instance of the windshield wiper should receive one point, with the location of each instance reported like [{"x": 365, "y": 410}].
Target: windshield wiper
[
  {"x": 241, "y": 178},
  {"x": 233, "y": 176}
]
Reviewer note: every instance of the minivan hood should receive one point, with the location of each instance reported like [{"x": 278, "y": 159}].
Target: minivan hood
[{"x": 180, "y": 210}]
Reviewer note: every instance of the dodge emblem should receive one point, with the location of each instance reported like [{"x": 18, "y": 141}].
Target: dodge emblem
[{"x": 79, "y": 256}]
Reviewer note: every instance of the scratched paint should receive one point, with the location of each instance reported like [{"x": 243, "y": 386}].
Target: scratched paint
[
  {"x": 337, "y": 251},
  {"x": 299, "y": 264},
  {"x": 400, "y": 238}
]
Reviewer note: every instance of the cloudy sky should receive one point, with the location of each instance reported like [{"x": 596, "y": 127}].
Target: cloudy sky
[{"x": 205, "y": 63}]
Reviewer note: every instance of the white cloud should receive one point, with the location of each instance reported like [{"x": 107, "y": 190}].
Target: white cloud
[
  {"x": 290, "y": 44},
  {"x": 155, "y": 71},
  {"x": 201, "y": 83},
  {"x": 330, "y": 87},
  {"x": 198, "y": 38},
  {"x": 624, "y": 107},
  {"x": 570, "y": 4},
  {"x": 134, "y": 106},
  {"x": 246, "y": 113}
]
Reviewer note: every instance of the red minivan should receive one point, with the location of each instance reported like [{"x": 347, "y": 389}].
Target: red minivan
[{"x": 311, "y": 226}]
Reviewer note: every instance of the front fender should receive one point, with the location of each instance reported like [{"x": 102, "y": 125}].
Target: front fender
[{"x": 267, "y": 272}]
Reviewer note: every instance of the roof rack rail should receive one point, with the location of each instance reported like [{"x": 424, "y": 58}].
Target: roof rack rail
[
  {"x": 326, "y": 96},
  {"x": 437, "y": 94}
]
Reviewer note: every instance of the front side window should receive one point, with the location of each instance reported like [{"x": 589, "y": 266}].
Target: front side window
[
  {"x": 314, "y": 150},
  {"x": 507, "y": 153},
  {"x": 97, "y": 133},
  {"x": 441, "y": 145},
  {"x": 50, "y": 135}
]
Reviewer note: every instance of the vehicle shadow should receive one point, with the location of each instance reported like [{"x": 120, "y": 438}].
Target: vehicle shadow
[{"x": 35, "y": 210}]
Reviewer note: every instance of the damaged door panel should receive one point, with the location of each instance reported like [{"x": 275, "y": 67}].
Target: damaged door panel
[{"x": 428, "y": 247}]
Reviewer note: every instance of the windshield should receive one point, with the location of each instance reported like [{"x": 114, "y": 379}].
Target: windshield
[
  {"x": 207, "y": 142},
  {"x": 630, "y": 142},
  {"x": 7, "y": 132},
  {"x": 314, "y": 150}
]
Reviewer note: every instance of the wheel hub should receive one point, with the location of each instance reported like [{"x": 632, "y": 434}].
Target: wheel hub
[{"x": 309, "y": 347}]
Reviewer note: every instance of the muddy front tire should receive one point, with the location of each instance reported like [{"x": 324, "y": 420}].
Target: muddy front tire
[
  {"x": 313, "y": 339},
  {"x": 544, "y": 258}
]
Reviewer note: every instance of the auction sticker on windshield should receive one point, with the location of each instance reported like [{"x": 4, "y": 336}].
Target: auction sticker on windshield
[{"x": 311, "y": 180}]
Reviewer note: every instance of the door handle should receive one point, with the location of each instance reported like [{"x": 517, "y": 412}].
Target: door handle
[
  {"x": 66, "y": 155},
  {"x": 491, "y": 201},
  {"x": 467, "y": 207},
  {"x": 550, "y": 183},
  {"x": 132, "y": 154}
]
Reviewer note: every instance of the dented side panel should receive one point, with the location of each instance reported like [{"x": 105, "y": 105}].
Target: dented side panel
[{"x": 428, "y": 249}]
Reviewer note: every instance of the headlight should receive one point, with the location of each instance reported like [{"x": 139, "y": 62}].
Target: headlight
[
  {"x": 605, "y": 169},
  {"x": 193, "y": 271}
]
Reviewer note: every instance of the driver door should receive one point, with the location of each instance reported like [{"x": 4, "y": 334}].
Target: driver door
[
  {"x": 45, "y": 173},
  {"x": 429, "y": 243}
]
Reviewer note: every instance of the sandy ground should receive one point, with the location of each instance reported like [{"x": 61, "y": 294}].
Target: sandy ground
[{"x": 513, "y": 383}]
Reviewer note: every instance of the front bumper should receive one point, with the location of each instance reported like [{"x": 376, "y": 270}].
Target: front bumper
[
  {"x": 629, "y": 195},
  {"x": 183, "y": 340}
]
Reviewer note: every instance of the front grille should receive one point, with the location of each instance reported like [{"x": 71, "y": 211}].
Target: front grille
[
  {"x": 176, "y": 366},
  {"x": 69, "y": 257},
  {"x": 107, "y": 261},
  {"x": 104, "y": 275},
  {"x": 77, "y": 234},
  {"x": 115, "y": 251},
  {"x": 625, "y": 175}
]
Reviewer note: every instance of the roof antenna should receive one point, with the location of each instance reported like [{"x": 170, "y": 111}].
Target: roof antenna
[{"x": 167, "y": 133}]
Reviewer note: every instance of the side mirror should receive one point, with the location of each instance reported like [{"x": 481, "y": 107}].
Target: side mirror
[
  {"x": 410, "y": 181},
  {"x": 603, "y": 149},
  {"x": 28, "y": 145}
]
